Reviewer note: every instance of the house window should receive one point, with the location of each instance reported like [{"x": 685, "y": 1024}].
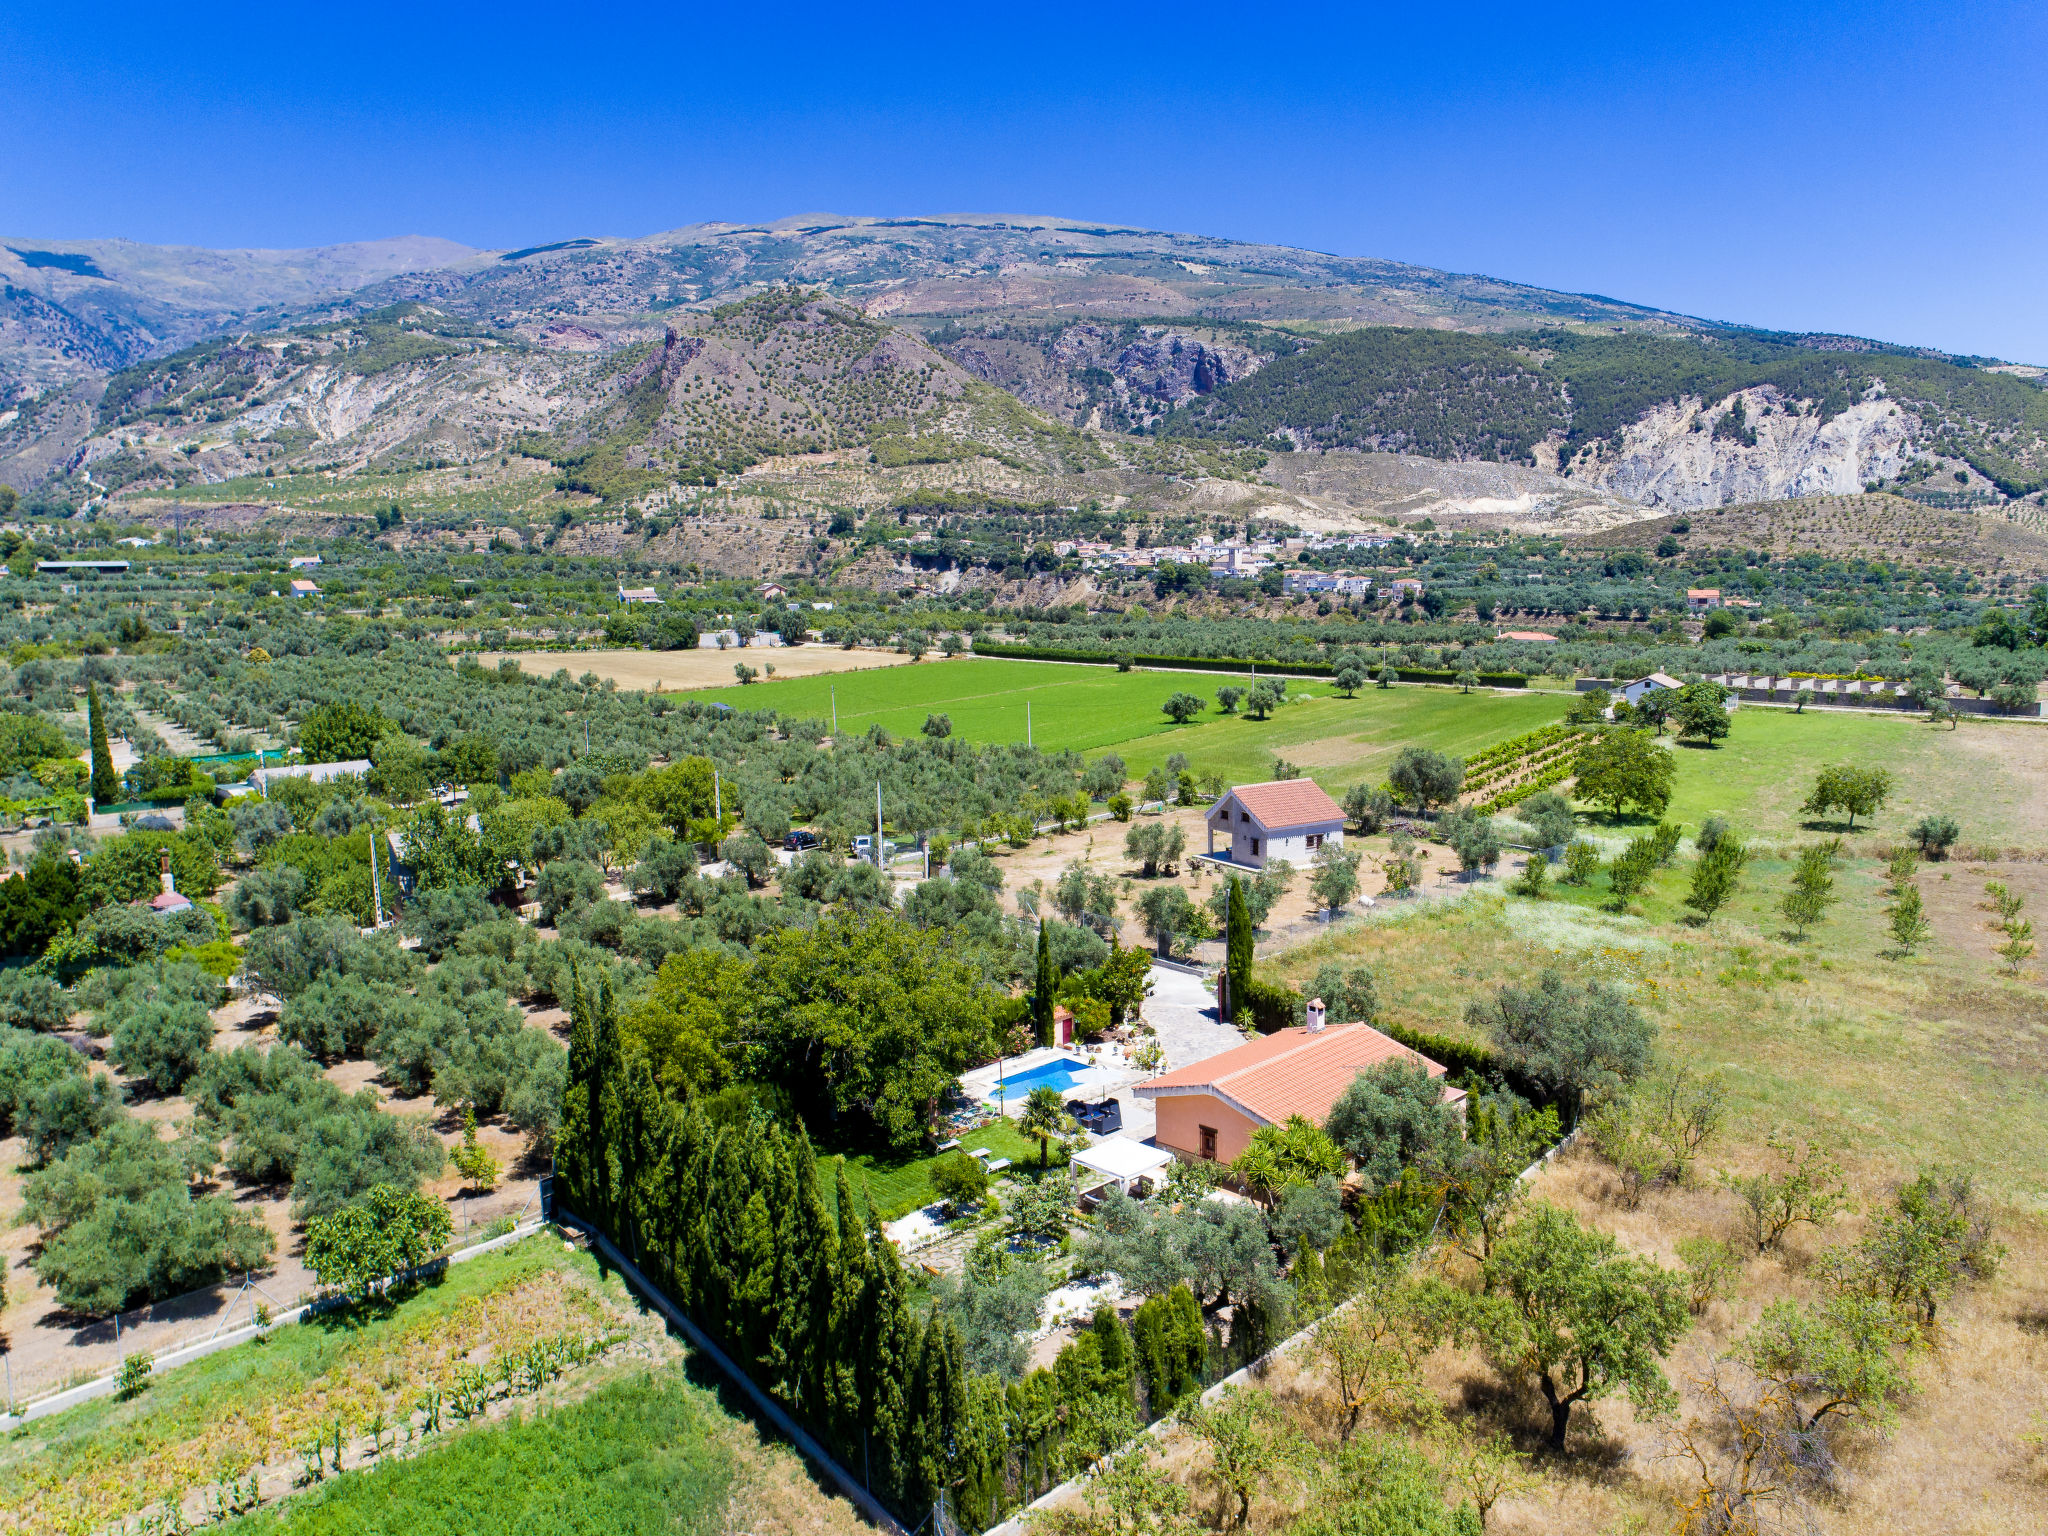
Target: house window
[
  {"x": 1245, "y": 817},
  {"x": 1208, "y": 1143},
  {"x": 1315, "y": 841}
]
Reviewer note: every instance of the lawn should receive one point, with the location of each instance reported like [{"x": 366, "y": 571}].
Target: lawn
[
  {"x": 900, "y": 1185},
  {"x": 1096, "y": 709}
]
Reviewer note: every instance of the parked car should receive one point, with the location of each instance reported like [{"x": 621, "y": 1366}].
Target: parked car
[{"x": 802, "y": 840}]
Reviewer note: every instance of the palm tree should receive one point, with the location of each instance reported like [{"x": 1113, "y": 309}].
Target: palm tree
[{"x": 1044, "y": 1117}]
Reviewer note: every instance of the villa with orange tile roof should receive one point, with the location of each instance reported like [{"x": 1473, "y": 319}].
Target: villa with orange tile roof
[
  {"x": 1288, "y": 819},
  {"x": 1207, "y": 1111}
]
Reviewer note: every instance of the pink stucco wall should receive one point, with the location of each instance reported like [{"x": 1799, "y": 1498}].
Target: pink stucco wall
[{"x": 1182, "y": 1116}]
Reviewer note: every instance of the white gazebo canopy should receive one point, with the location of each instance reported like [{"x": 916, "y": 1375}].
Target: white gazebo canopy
[{"x": 1122, "y": 1160}]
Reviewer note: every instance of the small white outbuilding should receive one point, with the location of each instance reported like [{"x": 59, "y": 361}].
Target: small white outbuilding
[{"x": 1288, "y": 819}]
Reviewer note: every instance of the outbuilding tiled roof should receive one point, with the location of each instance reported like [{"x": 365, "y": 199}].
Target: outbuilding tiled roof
[
  {"x": 1288, "y": 803},
  {"x": 1289, "y": 1072}
]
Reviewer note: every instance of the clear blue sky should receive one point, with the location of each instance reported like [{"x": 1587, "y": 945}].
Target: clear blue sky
[{"x": 1879, "y": 168}]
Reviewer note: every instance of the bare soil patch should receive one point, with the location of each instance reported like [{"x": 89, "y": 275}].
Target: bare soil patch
[{"x": 673, "y": 671}]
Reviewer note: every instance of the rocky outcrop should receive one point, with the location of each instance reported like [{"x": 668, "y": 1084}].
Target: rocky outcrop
[
  {"x": 1117, "y": 375},
  {"x": 1690, "y": 454}
]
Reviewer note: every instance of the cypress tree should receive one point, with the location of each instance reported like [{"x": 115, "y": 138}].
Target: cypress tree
[
  {"x": 982, "y": 1454},
  {"x": 607, "y": 1123},
  {"x": 886, "y": 1368},
  {"x": 938, "y": 1403},
  {"x": 849, "y": 1286},
  {"x": 1190, "y": 1360},
  {"x": 1150, "y": 1325},
  {"x": 576, "y": 1150},
  {"x": 801, "y": 1350},
  {"x": 1238, "y": 952},
  {"x": 106, "y": 784},
  {"x": 1042, "y": 986},
  {"x": 1117, "y": 1357}
]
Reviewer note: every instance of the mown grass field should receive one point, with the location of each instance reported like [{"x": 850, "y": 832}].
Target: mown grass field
[
  {"x": 1991, "y": 775},
  {"x": 1098, "y": 709},
  {"x": 1988, "y": 774}
]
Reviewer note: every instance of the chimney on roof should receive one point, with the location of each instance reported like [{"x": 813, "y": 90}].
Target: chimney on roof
[
  {"x": 170, "y": 885},
  {"x": 1316, "y": 1014}
]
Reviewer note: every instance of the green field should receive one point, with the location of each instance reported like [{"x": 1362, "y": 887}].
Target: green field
[
  {"x": 1987, "y": 773},
  {"x": 1097, "y": 709},
  {"x": 1984, "y": 773}
]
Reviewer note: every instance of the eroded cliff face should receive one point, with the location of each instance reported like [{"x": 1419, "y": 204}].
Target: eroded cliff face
[
  {"x": 1692, "y": 454},
  {"x": 1117, "y": 376}
]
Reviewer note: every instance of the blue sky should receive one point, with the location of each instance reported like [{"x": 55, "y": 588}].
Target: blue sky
[{"x": 1880, "y": 169}]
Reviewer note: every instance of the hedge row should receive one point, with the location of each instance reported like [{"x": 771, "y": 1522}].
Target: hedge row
[
  {"x": 1009, "y": 652},
  {"x": 1272, "y": 1008}
]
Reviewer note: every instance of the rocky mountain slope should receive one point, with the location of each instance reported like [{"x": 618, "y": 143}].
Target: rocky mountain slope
[
  {"x": 617, "y": 414},
  {"x": 1677, "y": 420},
  {"x": 984, "y": 264},
  {"x": 74, "y": 310},
  {"x": 626, "y": 366}
]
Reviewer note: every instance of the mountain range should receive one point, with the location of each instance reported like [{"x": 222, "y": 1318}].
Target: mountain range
[{"x": 624, "y": 364}]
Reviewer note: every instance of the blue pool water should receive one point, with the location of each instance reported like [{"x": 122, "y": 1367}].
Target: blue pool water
[{"x": 1062, "y": 1073}]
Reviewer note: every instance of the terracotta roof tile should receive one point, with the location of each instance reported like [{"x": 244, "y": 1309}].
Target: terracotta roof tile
[
  {"x": 1290, "y": 1072},
  {"x": 1288, "y": 803}
]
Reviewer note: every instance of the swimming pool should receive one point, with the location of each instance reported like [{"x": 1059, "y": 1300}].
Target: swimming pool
[{"x": 1061, "y": 1073}]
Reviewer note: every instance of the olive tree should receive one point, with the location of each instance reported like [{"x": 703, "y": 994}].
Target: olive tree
[
  {"x": 1565, "y": 1307},
  {"x": 1578, "y": 1041}
]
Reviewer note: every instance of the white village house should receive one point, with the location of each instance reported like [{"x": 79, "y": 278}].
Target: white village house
[
  {"x": 1656, "y": 681},
  {"x": 1288, "y": 819}
]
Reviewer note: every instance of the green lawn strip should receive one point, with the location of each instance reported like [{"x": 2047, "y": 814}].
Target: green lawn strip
[
  {"x": 900, "y": 1185},
  {"x": 1072, "y": 707},
  {"x": 1097, "y": 709},
  {"x": 643, "y": 1455},
  {"x": 152, "y": 1431}
]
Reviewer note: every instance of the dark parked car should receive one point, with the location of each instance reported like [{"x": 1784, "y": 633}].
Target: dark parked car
[{"x": 802, "y": 840}]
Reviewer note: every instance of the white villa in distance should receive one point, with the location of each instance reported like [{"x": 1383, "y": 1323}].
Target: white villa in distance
[{"x": 1288, "y": 819}]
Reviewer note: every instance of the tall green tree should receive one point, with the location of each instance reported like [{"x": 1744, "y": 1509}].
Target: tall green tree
[
  {"x": 106, "y": 784},
  {"x": 1044, "y": 984},
  {"x": 1237, "y": 961},
  {"x": 1713, "y": 877}
]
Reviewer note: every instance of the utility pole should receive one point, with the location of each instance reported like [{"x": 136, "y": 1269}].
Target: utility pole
[
  {"x": 835, "y": 711},
  {"x": 376, "y": 890},
  {"x": 717, "y": 803},
  {"x": 878, "y": 824},
  {"x": 1027, "y": 722}
]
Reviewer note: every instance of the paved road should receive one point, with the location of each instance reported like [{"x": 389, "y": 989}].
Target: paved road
[{"x": 1182, "y": 1011}]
